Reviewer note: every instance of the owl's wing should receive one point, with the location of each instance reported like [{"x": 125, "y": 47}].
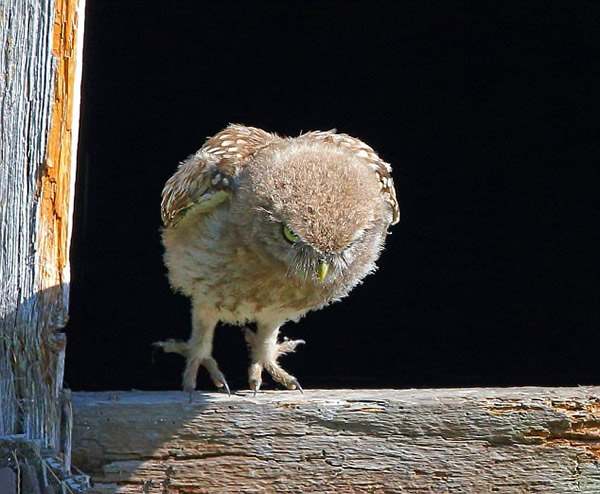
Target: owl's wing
[
  {"x": 204, "y": 180},
  {"x": 382, "y": 169}
]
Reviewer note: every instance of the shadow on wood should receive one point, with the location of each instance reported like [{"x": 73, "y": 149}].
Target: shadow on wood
[
  {"x": 35, "y": 411},
  {"x": 459, "y": 440}
]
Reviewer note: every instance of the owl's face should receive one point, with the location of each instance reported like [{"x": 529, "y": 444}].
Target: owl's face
[{"x": 315, "y": 208}]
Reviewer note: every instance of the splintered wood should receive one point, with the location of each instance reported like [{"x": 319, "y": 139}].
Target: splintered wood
[{"x": 462, "y": 440}]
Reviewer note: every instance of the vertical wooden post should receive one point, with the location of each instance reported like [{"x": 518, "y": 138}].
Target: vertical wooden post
[{"x": 40, "y": 74}]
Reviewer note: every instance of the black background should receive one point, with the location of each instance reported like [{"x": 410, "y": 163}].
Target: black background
[{"x": 488, "y": 113}]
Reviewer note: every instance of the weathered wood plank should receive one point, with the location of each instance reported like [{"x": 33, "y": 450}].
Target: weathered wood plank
[
  {"x": 40, "y": 72},
  {"x": 461, "y": 440},
  {"x": 40, "y": 67}
]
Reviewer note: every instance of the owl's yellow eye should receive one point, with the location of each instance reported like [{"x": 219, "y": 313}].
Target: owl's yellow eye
[{"x": 289, "y": 235}]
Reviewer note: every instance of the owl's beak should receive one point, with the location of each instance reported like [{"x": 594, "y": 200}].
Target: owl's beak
[{"x": 323, "y": 270}]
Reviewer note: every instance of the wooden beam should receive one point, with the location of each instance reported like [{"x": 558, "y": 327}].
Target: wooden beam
[
  {"x": 444, "y": 440},
  {"x": 40, "y": 67}
]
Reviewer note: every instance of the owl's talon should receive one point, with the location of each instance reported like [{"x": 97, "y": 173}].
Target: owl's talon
[
  {"x": 294, "y": 382},
  {"x": 225, "y": 387},
  {"x": 215, "y": 374}
]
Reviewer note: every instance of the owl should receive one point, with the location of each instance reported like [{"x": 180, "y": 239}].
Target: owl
[{"x": 261, "y": 229}]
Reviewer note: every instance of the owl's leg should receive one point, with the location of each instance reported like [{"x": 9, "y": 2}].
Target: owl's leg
[
  {"x": 197, "y": 351},
  {"x": 264, "y": 352}
]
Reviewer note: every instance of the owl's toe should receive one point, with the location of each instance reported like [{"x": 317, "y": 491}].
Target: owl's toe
[
  {"x": 191, "y": 372},
  {"x": 173, "y": 346},
  {"x": 282, "y": 377},
  {"x": 255, "y": 376},
  {"x": 189, "y": 376},
  {"x": 218, "y": 378},
  {"x": 288, "y": 346},
  {"x": 289, "y": 381}
]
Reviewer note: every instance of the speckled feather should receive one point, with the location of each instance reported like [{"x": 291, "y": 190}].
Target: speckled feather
[
  {"x": 225, "y": 154},
  {"x": 211, "y": 169}
]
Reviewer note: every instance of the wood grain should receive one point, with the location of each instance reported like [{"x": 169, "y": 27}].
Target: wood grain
[
  {"x": 40, "y": 64},
  {"x": 455, "y": 440}
]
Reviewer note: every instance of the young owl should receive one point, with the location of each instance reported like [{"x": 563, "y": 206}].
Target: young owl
[{"x": 261, "y": 228}]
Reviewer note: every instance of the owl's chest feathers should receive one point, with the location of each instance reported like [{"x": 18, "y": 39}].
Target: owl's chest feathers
[
  {"x": 224, "y": 275},
  {"x": 254, "y": 289}
]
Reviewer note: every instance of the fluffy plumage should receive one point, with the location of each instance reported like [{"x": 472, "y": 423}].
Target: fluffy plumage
[{"x": 260, "y": 228}]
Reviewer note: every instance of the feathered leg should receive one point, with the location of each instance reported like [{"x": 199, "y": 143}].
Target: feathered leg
[
  {"x": 264, "y": 352},
  {"x": 197, "y": 351}
]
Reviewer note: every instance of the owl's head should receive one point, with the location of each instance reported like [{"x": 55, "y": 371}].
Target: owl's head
[{"x": 316, "y": 207}]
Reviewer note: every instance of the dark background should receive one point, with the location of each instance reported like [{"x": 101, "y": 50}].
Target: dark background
[{"x": 488, "y": 113}]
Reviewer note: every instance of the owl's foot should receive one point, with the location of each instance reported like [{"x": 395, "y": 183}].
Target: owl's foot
[
  {"x": 264, "y": 354},
  {"x": 193, "y": 362}
]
